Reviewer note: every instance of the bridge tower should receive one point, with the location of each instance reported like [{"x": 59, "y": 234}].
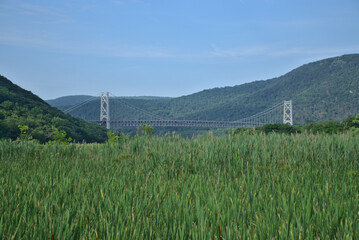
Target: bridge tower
[
  {"x": 105, "y": 109},
  {"x": 288, "y": 112}
]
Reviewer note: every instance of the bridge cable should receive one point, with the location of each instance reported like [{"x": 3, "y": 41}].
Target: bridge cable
[
  {"x": 261, "y": 114},
  {"x": 120, "y": 99},
  {"x": 70, "y": 109}
]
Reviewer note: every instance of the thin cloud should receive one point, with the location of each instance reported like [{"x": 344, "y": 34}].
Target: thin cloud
[
  {"x": 276, "y": 52},
  {"x": 130, "y": 51},
  {"x": 127, "y": 52},
  {"x": 7, "y": 39},
  {"x": 38, "y": 9},
  {"x": 118, "y": 2},
  {"x": 83, "y": 48},
  {"x": 236, "y": 52},
  {"x": 141, "y": 2},
  {"x": 3, "y": 14},
  {"x": 51, "y": 15}
]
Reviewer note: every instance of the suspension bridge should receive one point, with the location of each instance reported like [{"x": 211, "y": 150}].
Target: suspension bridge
[{"x": 279, "y": 113}]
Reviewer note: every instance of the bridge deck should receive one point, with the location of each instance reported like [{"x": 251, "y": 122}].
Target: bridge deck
[{"x": 182, "y": 123}]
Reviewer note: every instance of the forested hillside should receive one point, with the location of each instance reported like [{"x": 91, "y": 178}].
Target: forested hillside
[
  {"x": 21, "y": 107},
  {"x": 322, "y": 90}
]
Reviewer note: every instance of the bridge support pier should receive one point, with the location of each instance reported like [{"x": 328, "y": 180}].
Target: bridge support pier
[{"x": 105, "y": 109}]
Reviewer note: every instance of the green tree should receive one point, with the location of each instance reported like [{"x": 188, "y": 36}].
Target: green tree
[
  {"x": 277, "y": 128},
  {"x": 147, "y": 130},
  {"x": 24, "y": 132},
  {"x": 112, "y": 137},
  {"x": 355, "y": 125},
  {"x": 59, "y": 136}
]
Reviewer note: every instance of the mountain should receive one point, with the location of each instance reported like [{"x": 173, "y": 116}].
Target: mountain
[
  {"x": 21, "y": 107},
  {"x": 321, "y": 90},
  {"x": 68, "y": 101}
]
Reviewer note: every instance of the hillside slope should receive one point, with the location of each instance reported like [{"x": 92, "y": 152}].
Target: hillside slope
[
  {"x": 322, "y": 90},
  {"x": 21, "y": 107}
]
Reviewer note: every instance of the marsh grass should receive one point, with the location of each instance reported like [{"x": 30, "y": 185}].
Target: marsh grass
[{"x": 245, "y": 186}]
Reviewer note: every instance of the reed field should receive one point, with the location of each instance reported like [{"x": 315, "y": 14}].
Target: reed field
[{"x": 242, "y": 186}]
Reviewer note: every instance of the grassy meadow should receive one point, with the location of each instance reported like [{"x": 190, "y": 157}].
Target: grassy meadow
[{"x": 231, "y": 187}]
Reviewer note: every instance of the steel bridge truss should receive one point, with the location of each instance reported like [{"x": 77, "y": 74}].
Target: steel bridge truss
[{"x": 182, "y": 123}]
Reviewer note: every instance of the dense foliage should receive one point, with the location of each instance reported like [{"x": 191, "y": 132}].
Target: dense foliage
[
  {"x": 245, "y": 186},
  {"x": 19, "y": 107},
  {"x": 349, "y": 125},
  {"x": 321, "y": 91}
]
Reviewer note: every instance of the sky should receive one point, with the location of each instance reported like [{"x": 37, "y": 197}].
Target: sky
[{"x": 166, "y": 47}]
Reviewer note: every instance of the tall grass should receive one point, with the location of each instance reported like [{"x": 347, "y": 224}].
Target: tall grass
[{"x": 248, "y": 186}]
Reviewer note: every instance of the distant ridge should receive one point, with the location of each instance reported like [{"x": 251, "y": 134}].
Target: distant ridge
[
  {"x": 68, "y": 100},
  {"x": 75, "y": 99},
  {"x": 323, "y": 90}
]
